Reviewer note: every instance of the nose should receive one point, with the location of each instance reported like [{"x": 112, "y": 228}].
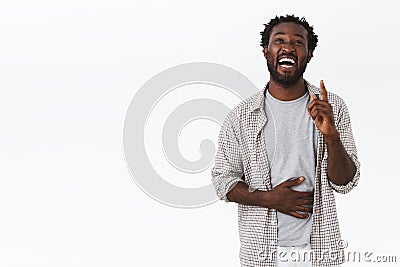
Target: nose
[{"x": 288, "y": 47}]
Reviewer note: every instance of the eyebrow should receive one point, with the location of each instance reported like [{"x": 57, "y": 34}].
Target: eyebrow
[{"x": 296, "y": 34}]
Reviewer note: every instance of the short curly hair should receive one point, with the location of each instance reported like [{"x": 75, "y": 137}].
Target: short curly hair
[{"x": 311, "y": 36}]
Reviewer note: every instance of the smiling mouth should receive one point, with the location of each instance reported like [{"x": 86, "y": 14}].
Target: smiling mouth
[{"x": 286, "y": 62}]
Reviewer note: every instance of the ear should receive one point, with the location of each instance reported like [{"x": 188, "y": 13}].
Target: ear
[
  {"x": 310, "y": 55},
  {"x": 265, "y": 51}
]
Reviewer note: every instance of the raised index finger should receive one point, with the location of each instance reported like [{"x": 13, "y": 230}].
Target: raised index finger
[{"x": 324, "y": 94}]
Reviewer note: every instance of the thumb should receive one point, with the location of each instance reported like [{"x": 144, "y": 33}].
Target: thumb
[{"x": 294, "y": 182}]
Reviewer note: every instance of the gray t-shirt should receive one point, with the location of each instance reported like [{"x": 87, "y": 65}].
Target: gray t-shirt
[{"x": 291, "y": 141}]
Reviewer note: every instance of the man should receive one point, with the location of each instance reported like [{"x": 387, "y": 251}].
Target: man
[{"x": 282, "y": 153}]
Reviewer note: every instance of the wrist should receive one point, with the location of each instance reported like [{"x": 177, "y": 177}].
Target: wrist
[
  {"x": 332, "y": 137},
  {"x": 266, "y": 199}
]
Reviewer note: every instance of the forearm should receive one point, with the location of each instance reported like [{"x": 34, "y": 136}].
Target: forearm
[
  {"x": 341, "y": 168},
  {"x": 240, "y": 194}
]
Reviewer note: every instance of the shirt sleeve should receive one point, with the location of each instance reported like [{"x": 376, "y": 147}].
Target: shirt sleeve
[
  {"x": 346, "y": 137},
  {"x": 228, "y": 168}
]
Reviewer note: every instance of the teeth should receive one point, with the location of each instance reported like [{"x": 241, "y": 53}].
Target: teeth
[{"x": 286, "y": 59}]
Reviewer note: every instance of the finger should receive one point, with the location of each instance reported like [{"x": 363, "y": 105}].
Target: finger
[
  {"x": 324, "y": 96},
  {"x": 291, "y": 183},
  {"x": 306, "y": 201},
  {"x": 313, "y": 99},
  {"x": 308, "y": 194},
  {"x": 320, "y": 111},
  {"x": 318, "y": 120},
  {"x": 314, "y": 112},
  {"x": 313, "y": 102},
  {"x": 298, "y": 215},
  {"x": 303, "y": 209},
  {"x": 319, "y": 103},
  {"x": 315, "y": 108},
  {"x": 320, "y": 116}
]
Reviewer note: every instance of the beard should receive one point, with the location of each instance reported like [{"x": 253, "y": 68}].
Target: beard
[{"x": 285, "y": 80}]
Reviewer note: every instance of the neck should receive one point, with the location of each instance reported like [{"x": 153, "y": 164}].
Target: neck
[{"x": 292, "y": 92}]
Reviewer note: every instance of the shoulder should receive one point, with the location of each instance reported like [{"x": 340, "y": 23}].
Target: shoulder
[
  {"x": 245, "y": 108},
  {"x": 335, "y": 99},
  {"x": 338, "y": 104}
]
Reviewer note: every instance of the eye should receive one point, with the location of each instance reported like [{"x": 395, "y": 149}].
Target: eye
[
  {"x": 278, "y": 41},
  {"x": 298, "y": 42}
]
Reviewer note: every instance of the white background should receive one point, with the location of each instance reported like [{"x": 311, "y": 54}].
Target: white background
[{"x": 68, "y": 71}]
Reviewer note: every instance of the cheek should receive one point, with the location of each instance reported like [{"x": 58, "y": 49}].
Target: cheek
[
  {"x": 303, "y": 57},
  {"x": 270, "y": 58},
  {"x": 304, "y": 53},
  {"x": 273, "y": 49},
  {"x": 271, "y": 52}
]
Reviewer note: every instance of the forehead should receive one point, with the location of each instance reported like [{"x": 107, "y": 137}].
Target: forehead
[{"x": 289, "y": 28}]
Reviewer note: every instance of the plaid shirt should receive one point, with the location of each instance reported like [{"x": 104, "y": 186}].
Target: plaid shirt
[{"x": 242, "y": 150}]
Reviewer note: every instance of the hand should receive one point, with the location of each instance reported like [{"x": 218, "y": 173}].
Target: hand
[
  {"x": 289, "y": 201},
  {"x": 322, "y": 114}
]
